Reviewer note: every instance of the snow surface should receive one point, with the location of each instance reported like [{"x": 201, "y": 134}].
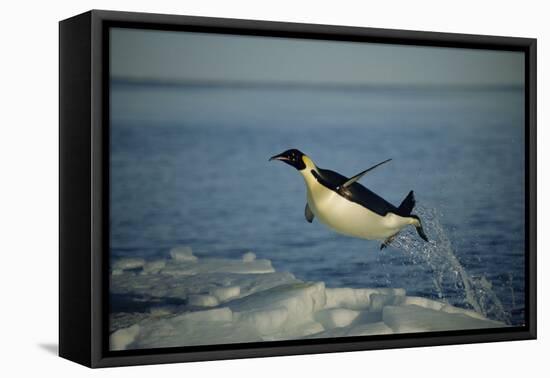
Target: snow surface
[{"x": 184, "y": 300}]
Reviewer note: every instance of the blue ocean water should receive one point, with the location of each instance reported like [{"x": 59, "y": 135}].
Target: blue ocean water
[{"x": 189, "y": 166}]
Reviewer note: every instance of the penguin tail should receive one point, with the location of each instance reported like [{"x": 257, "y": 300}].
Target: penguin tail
[
  {"x": 405, "y": 210},
  {"x": 407, "y": 205},
  {"x": 419, "y": 229}
]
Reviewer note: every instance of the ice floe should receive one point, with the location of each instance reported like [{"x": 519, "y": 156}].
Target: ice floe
[
  {"x": 249, "y": 256},
  {"x": 185, "y": 300},
  {"x": 181, "y": 253},
  {"x": 128, "y": 263}
]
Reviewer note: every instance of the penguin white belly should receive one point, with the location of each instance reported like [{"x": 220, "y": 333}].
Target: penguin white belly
[{"x": 350, "y": 218}]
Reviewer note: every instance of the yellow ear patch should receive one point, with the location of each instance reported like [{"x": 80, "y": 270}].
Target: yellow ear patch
[{"x": 308, "y": 162}]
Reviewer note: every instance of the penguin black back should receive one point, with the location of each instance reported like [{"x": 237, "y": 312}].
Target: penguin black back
[{"x": 355, "y": 192}]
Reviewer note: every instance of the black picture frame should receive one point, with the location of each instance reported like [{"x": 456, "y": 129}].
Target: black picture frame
[{"x": 84, "y": 194}]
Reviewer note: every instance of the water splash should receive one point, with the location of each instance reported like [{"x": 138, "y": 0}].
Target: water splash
[{"x": 451, "y": 280}]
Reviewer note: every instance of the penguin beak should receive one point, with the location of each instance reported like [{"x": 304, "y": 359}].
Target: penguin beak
[{"x": 280, "y": 157}]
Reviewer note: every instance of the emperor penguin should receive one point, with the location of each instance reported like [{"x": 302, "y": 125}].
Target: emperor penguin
[{"x": 346, "y": 206}]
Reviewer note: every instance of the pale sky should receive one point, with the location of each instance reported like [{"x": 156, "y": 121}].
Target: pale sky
[{"x": 182, "y": 56}]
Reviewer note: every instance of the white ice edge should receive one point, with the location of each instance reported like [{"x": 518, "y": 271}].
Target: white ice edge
[{"x": 219, "y": 301}]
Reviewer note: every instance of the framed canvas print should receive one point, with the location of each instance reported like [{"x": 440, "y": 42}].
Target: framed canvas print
[{"x": 233, "y": 188}]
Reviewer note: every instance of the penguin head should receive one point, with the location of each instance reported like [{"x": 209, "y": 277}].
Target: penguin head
[{"x": 292, "y": 157}]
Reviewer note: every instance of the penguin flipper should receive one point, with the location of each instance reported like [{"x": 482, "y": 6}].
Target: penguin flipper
[
  {"x": 361, "y": 174},
  {"x": 308, "y": 213}
]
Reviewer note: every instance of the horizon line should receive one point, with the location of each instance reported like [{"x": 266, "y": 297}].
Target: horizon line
[{"x": 266, "y": 84}]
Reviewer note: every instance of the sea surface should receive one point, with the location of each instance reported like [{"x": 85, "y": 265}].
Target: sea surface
[{"x": 189, "y": 166}]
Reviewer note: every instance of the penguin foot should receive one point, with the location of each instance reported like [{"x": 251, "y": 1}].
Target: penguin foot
[
  {"x": 419, "y": 229},
  {"x": 387, "y": 242},
  {"x": 421, "y": 233}
]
